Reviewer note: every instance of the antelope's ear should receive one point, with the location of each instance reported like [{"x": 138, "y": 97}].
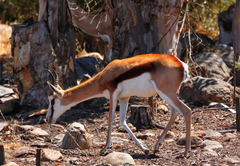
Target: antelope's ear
[{"x": 55, "y": 90}]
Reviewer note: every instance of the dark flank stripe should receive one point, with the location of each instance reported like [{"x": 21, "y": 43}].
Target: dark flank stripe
[{"x": 134, "y": 72}]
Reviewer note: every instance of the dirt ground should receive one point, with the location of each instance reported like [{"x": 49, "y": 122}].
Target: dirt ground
[{"x": 95, "y": 121}]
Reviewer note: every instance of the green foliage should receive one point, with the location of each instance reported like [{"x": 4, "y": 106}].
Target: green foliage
[
  {"x": 203, "y": 15},
  {"x": 16, "y": 11}
]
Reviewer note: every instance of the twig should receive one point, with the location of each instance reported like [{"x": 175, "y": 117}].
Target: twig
[
  {"x": 181, "y": 28},
  {"x": 2, "y": 115}
]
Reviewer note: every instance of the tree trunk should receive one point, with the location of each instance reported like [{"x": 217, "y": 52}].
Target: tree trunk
[
  {"x": 142, "y": 27},
  {"x": 39, "y": 46},
  {"x": 142, "y": 117},
  {"x": 236, "y": 31}
]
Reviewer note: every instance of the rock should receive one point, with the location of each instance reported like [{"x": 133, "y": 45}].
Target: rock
[
  {"x": 195, "y": 141},
  {"x": 145, "y": 136},
  {"x": 218, "y": 69},
  {"x": 76, "y": 137},
  {"x": 170, "y": 135},
  {"x": 51, "y": 155},
  {"x": 10, "y": 164},
  {"x": 3, "y": 125},
  {"x": 229, "y": 136},
  {"x": 228, "y": 57},
  {"x": 163, "y": 108},
  {"x": 58, "y": 138},
  {"x": 199, "y": 90},
  {"x": 39, "y": 132},
  {"x": 58, "y": 127},
  {"x": 199, "y": 43},
  {"x": 87, "y": 65},
  {"x": 210, "y": 134},
  {"x": 118, "y": 159},
  {"x": 200, "y": 133},
  {"x": 23, "y": 151},
  {"x": 7, "y": 99},
  {"x": 27, "y": 127},
  {"x": 231, "y": 160},
  {"x": 225, "y": 18},
  {"x": 210, "y": 152},
  {"x": 210, "y": 145}
]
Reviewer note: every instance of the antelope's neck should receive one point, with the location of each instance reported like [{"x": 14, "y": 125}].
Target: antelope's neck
[{"x": 85, "y": 91}]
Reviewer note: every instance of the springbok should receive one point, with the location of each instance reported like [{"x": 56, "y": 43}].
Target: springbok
[{"x": 142, "y": 75}]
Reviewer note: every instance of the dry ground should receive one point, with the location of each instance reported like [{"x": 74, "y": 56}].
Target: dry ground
[{"x": 95, "y": 121}]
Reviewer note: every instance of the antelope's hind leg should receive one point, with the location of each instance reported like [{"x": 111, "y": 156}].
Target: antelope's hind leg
[{"x": 174, "y": 114}]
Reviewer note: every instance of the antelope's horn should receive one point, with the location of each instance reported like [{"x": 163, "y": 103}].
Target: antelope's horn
[{"x": 54, "y": 75}]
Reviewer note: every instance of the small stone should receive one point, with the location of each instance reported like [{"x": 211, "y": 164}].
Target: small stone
[
  {"x": 58, "y": 138},
  {"x": 118, "y": 158},
  {"x": 163, "y": 108},
  {"x": 195, "y": 141},
  {"x": 230, "y": 135},
  {"x": 210, "y": 152},
  {"x": 11, "y": 164},
  {"x": 39, "y": 132},
  {"x": 200, "y": 133},
  {"x": 76, "y": 137},
  {"x": 169, "y": 135},
  {"x": 210, "y": 134},
  {"x": 3, "y": 125},
  {"x": 23, "y": 151},
  {"x": 51, "y": 155},
  {"x": 27, "y": 127},
  {"x": 58, "y": 126},
  {"x": 209, "y": 145}
]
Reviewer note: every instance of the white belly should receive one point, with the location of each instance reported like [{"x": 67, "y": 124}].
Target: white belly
[{"x": 139, "y": 86}]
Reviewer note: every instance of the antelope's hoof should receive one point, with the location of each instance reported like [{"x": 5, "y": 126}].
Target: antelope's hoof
[
  {"x": 186, "y": 153},
  {"x": 146, "y": 152}
]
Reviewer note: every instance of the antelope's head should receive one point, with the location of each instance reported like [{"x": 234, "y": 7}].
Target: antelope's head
[{"x": 55, "y": 109}]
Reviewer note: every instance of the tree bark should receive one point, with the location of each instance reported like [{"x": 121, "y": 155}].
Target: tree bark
[
  {"x": 142, "y": 27},
  {"x": 142, "y": 117},
  {"x": 236, "y": 44},
  {"x": 39, "y": 46},
  {"x": 236, "y": 30}
]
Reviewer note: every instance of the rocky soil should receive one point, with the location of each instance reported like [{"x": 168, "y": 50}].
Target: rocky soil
[{"x": 215, "y": 126}]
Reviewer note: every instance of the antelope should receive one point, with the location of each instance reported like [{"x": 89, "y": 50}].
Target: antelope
[
  {"x": 142, "y": 75},
  {"x": 99, "y": 25}
]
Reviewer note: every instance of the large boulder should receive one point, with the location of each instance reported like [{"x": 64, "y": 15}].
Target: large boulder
[
  {"x": 226, "y": 52},
  {"x": 87, "y": 65},
  {"x": 199, "y": 90},
  {"x": 216, "y": 67}
]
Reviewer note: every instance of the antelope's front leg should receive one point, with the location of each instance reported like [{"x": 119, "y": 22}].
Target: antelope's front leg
[
  {"x": 113, "y": 104},
  {"x": 123, "y": 110}
]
